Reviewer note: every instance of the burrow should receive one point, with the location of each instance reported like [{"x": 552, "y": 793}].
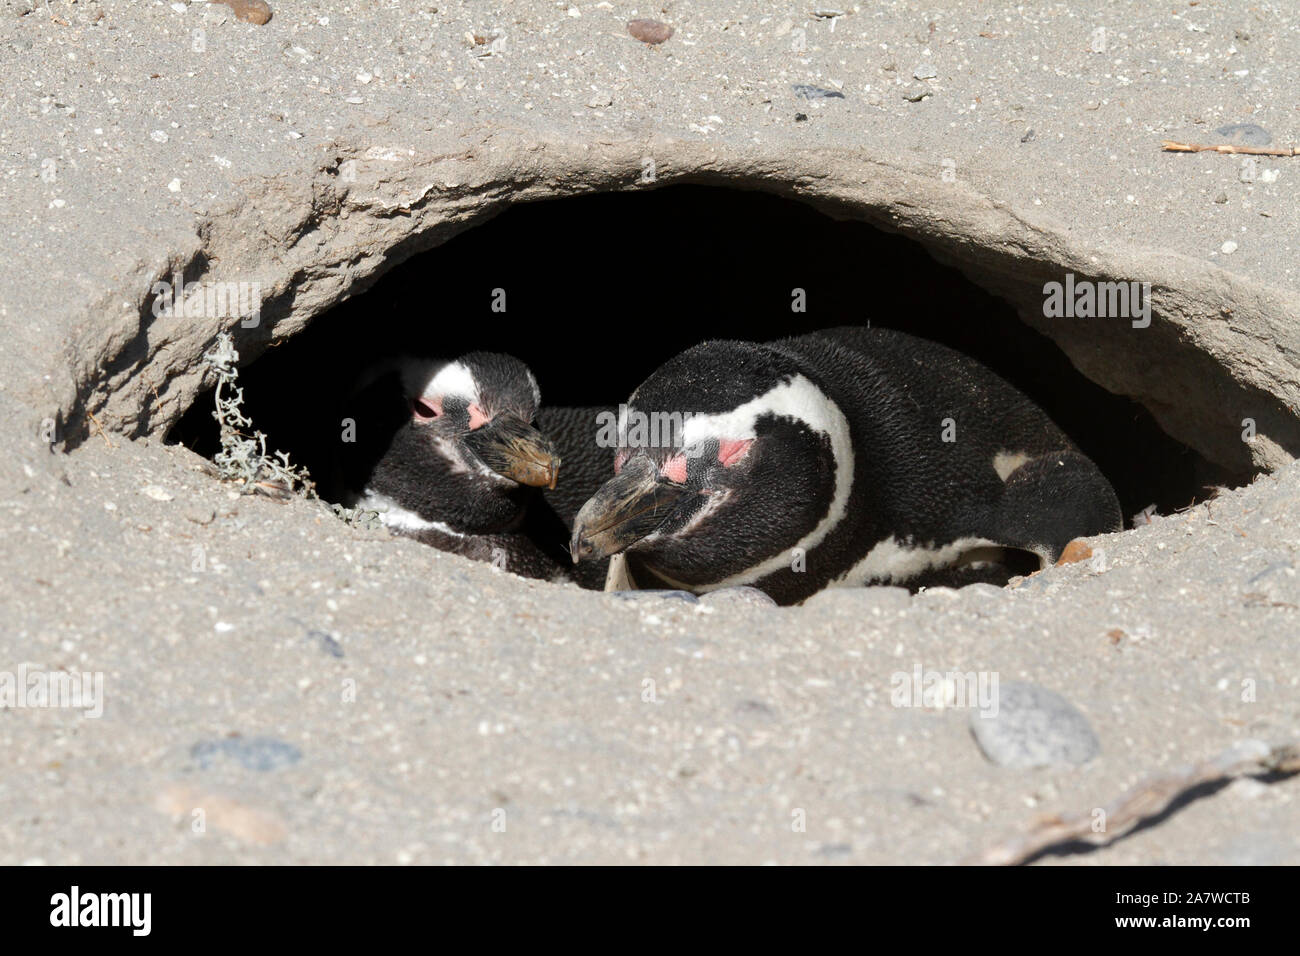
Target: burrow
[
  {"x": 603, "y": 287},
  {"x": 600, "y": 290}
]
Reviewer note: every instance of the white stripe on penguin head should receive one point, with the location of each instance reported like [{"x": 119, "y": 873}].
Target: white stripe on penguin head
[
  {"x": 452, "y": 380},
  {"x": 799, "y": 399}
]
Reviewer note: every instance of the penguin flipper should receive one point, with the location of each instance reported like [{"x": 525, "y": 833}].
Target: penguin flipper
[{"x": 508, "y": 551}]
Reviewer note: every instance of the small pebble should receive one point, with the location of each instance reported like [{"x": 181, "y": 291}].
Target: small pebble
[
  {"x": 1074, "y": 552},
  {"x": 653, "y": 32},
  {"x": 686, "y": 596},
  {"x": 200, "y": 514},
  {"x": 1221, "y": 198},
  {"x": 834, "y": 849},
  {"x": 156, "y": 493},
  {"x": 247, "y": 823},
  {"x": 1028, "y": 137},
  {"x": 925, "y": 73},
  {"x": 807, "y": 92},
  {"x": 1245, "y": 134},
  {"x": 1228, "y": 248},
  {"x": 326, "y": 642},
  {"x": 250, "y": 11},
  {"x": 1034, "y": 727},
  {"x": 251, "y": 753},
  {"x": 754, "y": 708}
]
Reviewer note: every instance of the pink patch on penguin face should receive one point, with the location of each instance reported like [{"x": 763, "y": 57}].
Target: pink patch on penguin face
[
  {"x": 477, "y": 418},
  {"x": 674, "y": 469},
  {"x": 620, "y": 459},
  {"x": 732, "y": 450}
]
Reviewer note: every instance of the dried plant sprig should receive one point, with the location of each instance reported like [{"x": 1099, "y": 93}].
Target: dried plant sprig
[
  {"x": 358, "y": 517},
  {"x": 1146, "y": 800},
  {"x": 243, "y": 456}
]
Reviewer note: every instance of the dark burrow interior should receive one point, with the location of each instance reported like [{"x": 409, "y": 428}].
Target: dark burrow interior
[{"x": 600, "y": 290}]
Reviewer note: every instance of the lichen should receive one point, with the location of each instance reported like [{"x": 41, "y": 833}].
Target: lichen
[{"x": 243, "y": 457}]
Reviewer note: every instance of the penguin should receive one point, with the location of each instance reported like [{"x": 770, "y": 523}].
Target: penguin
[
  {"x": 446, "y": 452},
  {"x": 844, "y": 457}
]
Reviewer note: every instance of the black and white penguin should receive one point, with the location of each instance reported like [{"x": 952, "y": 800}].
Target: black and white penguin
[
  {"x": 844, "y": 457},
  {"x": 446, "y": 452}
]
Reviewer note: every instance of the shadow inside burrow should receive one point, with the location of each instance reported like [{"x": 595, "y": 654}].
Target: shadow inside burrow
[{"x": 600, "y": 290}]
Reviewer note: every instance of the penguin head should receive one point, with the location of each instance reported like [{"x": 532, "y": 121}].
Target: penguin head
[
  {"x": 450, "y": 442},
  {"x": 725, "y": 462}
]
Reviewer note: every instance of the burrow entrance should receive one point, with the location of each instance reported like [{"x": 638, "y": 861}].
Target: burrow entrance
[{"x": 601, "y": 289}]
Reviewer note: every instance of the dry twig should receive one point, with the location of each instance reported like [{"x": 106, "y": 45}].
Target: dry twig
[
  {"x": 1147, "y": 800},
  {"x": 1169, "y": 146},
  {"x": 99, "y": 428}
]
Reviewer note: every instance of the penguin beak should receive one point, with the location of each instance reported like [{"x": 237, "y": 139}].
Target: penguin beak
[
  {"x": 623, "y": 511},
  {"x": 515, "y": 449}
]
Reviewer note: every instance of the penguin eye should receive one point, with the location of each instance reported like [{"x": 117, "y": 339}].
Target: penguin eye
[{"x": 425, "y": 411}]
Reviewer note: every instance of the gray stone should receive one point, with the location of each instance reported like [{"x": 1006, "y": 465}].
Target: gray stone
[
  {"x": 1245, "y": 134},
  {"x": 1034, "y": 727},
  {"x": 326, "y": 642},
  {"x": 806, "y": 92},
  {"x": 655, "y": 594},
  {"x": 251, "y": 753}
]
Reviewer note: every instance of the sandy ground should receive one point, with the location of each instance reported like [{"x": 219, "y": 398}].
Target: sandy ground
[{"x": 279, "y": 687}]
